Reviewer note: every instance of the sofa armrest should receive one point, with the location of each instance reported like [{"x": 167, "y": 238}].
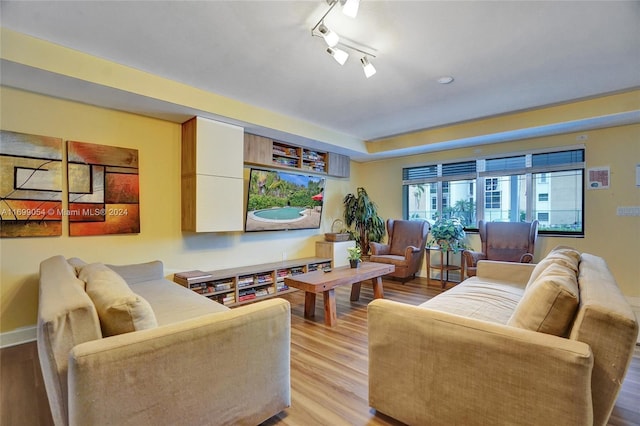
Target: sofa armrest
[
  {"x": 457, "y": 370},
  {"x": 232, "y": 366},
  {"x": 379, "y": 248},
  {"x": 512, "y": 272}
]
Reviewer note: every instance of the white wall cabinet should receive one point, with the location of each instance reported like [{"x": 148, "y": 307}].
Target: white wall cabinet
[{"x": 212, "y": 176}]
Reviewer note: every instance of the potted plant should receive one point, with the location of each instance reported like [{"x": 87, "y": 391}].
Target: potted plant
[
  {"x": 362, "y": 213},
  {"x": 354, "y": 256},
  {"x": 448, "y": 234}
]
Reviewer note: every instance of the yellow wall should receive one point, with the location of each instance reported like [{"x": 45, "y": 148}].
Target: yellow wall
[
  {"x": 158, "y": 144},
  {"x": 613, "y": 237}
]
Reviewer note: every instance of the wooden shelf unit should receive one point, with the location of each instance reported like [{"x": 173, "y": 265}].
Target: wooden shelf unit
[
  {"x": 251, "y": 283},
  {"x": 267, "y": 152}
]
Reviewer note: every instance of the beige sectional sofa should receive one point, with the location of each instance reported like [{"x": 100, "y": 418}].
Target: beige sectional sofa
[
  {"x": 518, "y": 344},
  {"x": 122, "y": 345}
]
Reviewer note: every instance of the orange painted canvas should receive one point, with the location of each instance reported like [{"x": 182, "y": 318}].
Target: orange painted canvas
[
  {"x": 104, "y": 189},
  {"x": 30, "y": 185}
]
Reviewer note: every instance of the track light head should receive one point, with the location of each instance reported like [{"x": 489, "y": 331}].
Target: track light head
[
  {"x": 330, "y": 37},
  {"x": 338, "y": 54},
  {"x": 368, "y": 67},
  {"x": 350, "y": 8}
]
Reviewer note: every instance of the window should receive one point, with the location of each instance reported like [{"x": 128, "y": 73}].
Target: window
[
  {"x": 562, "y": 209},
  {"x": 547, "y": 186},
  {"x": 450, "y": 188},
  {"x": 492, "y": 196},
  {"x": 423, "y": 202}
]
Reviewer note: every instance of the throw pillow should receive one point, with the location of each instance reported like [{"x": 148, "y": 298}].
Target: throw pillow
[
  {"x": 77, "y": 264},
  {"x": 549, "y": 304},
  {"x": 120, "y": 310},
  {"x": 562, "y": 255}
]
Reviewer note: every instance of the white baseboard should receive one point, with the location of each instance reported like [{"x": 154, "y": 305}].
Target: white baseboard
[{"x": 18, "y": 336}]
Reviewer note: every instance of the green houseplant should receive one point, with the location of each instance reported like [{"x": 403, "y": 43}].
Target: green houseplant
[
  {"x": 354, "y": 256},
  {"x": 362, "y": 213},
  {"x": 448, "y": 234}
]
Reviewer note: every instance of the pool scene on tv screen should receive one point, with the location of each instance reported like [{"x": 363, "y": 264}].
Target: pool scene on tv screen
[{"x": 279, "y": 201}]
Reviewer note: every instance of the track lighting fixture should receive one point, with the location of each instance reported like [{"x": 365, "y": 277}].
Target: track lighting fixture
[
  {"x": 350, "y": 8},
  {"x": 329, "y": 36},
  {"x": 368, "y": 67},
  {"x": 338, "y": 54},
  {"x": 333, "y": 40}
]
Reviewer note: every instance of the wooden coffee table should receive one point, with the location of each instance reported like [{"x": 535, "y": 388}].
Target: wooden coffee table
[{"x": 325, "y": 282}]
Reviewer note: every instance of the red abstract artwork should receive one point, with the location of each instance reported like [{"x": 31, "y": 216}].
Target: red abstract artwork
[{"x": 104, "y": 189}]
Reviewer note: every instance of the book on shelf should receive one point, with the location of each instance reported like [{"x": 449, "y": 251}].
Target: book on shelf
[
  {"x": 265, "y": 278},
  {"x": 222, "y": 286},
  {"x": 192, "y": 275},
  {"x": 297, "y": 270},
  {"x": 261, "y": 292},
  {"x": 245, "y": 281},
  {"x": 282, "y": 150}
]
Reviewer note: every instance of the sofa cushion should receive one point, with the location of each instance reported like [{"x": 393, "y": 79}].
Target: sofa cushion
[
  {"x": 120, "y": 310},
  {"x": 549, "y": 303},
  {"x": 390, "y": 259},
  {"x": 480, "y": 299},
  {"x": 77, "y": 264},
  {"x": 565, "y": 256},
  {"x": 172, "y": 302}
]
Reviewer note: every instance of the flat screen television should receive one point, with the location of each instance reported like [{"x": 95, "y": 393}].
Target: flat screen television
[{"x": 282, "y": 200}]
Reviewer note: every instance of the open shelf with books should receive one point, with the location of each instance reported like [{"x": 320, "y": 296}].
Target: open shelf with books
[
  {"x": 263, "y": 151},
  {"x": 314, "y": 161},
  {"x": 285, "y": 155},
  {"x": 238, "y": 286}
]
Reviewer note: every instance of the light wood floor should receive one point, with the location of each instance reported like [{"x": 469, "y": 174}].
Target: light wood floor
[{"x": 328, "y": 369}]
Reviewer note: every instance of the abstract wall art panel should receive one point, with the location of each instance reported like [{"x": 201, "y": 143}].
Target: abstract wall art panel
[
  {"x": 30, "y": 185},
  {"x": 104, "y": 189}
]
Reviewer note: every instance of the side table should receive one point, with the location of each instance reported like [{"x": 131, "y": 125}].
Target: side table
[{"x": 444, "y": 266}]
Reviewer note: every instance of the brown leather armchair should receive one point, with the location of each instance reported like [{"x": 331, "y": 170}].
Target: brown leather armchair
[
  {"x": 404, "y": 248},
  {"x": 504, "y": 241}
]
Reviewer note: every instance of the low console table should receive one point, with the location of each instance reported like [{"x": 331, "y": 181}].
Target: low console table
[{"x": 237, "y": 286}]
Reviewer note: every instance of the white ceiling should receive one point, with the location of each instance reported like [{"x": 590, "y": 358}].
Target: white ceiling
[{"x": 504, "y": 55}]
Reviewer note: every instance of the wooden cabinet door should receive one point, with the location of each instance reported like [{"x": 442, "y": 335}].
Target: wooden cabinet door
[
  {"x": 257, "y": 149},
  {"x": 339, "y": 165}
]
